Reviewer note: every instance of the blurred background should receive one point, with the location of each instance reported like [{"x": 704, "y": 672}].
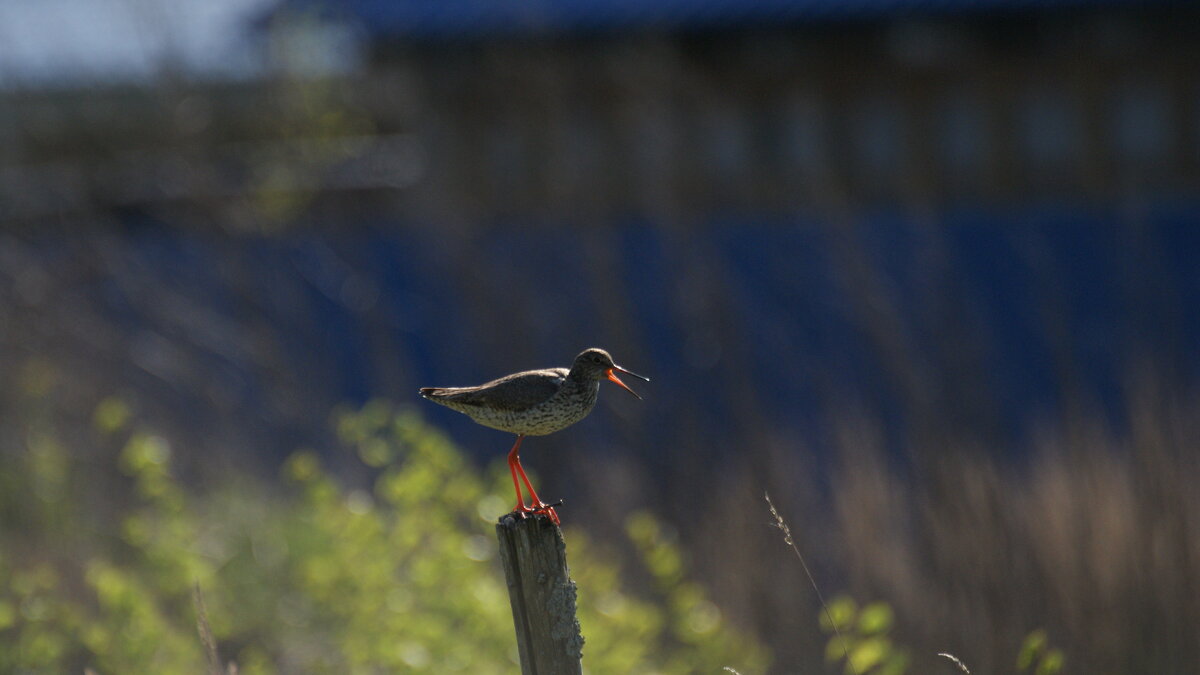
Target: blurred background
[{"x": 927, "y": 272}]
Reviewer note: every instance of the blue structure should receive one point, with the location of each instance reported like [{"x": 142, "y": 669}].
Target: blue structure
[
  {"x": 1053, "y": 265},
  {"x": 439, "y": 19}
]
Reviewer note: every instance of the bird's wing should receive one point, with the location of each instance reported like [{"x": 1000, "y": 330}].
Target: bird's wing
[{"x": 516, "y": 392}]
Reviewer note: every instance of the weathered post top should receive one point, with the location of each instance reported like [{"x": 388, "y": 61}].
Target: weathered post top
[{"x": 542, "y": 595}]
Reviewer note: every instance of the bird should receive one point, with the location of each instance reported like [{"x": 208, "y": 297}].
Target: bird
[{"x": 535, "y": 403}]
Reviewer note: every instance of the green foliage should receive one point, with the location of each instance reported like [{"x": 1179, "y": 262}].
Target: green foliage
[
  {"x": 691, "y": 620},
  {"x": 400, "y": 577},
  {"x": 1038, "y": 657},
  {"x": 859, "y": 637}
]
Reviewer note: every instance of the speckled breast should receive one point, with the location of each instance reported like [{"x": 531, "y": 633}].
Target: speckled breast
[{"x": 565, "y": 408}]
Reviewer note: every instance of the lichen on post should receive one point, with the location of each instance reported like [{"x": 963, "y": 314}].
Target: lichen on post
[{"x": 542, "y": 594}]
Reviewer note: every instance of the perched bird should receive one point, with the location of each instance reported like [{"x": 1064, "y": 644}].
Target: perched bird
[{"x": 534, "y": 403}]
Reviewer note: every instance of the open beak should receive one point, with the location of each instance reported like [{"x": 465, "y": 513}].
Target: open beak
[{"x": 612, "y": 377}]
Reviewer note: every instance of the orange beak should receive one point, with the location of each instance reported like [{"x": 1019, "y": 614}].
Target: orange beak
[{"x": 612, "y": 377}]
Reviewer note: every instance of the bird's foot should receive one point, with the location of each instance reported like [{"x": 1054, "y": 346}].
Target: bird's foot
[
  {"x": 548, "y": 509},
  {"x": 522, "y": 511}
]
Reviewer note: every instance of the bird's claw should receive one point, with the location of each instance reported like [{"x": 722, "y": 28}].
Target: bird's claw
[
  {"x": 549, "y": 509},
  {"x": 522, "y": 511}
]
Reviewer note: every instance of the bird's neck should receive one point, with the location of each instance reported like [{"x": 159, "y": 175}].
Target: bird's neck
[{"x": 579, "y": 378}]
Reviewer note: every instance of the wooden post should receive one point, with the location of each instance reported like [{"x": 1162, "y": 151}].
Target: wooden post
[{"x": 542, "y": 595}]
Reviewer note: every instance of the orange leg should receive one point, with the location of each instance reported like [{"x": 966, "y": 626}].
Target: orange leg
[{"x": 514, "y": 463}]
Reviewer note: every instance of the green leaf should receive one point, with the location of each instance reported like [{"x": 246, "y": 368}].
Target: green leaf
[
  {"x": 896, "y": 664},
  {"x": 841, "y": 613},
  {"x": 875, "y": 618},
  {"x": 869, "y": 653},
  {"x": 1051, "y": 663},
  {"x": 111, "y": 415},
  {"x": 8, "y": 614},
  {"x": 375, "y": 452},
  {"x": 1034, "y": 643},
  {"x": 837, "y": 648}
]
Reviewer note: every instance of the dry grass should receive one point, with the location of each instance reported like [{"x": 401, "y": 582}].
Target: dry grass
[
  {"x": 1096, "y": 539},
  {"x": 791, "y": 542},
  {"x": 207, "y": 639},
  {"x": 1093, "y": 535},
  {"x": 956, "y": 661}
]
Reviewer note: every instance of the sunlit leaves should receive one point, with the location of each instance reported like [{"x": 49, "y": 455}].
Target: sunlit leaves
[
  {"x": 1038, "y": 657},
  {"x": 691, "y": 618},
  {"x": 111, "y": 415},
  {"x": 875, "y": 618},
  {"x": 840, "y": 613},
  {"x": 860, "y": 638},
  {"x": 395, "y": 575}
]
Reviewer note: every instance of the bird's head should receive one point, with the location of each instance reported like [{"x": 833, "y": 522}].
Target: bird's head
[{"x": 597, "y": 364}]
